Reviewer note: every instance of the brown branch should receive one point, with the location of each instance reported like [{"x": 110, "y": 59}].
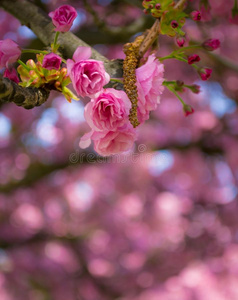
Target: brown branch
[
  {"x": 151, "y": 36},
  {"x": 25, "y": 97}
]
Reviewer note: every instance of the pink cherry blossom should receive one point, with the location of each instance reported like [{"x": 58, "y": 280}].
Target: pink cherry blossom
[
  {"x": 150, "y": 77},
  {"x": 63, "y": 17},
  {"x": 108, "y": 111},
  {"x": 9, "y": 53},
  {"x": 51, "y": 61},
  {"x": 11, "y": 74},
  {"x": 88, "y": 76},
  {"x": 108, "y": 143}
]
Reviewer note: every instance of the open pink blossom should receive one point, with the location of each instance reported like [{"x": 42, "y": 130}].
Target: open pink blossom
[
  {"x": 11, "y": 74},
  {"x": 9, "y": 53},
  {"x": 109, "y": 111},
  {"x": 63, "y": 17},
  {"x": 107, "y": 143},
  {"x": 87, "y": 75},
  {"x": 51, "y": 61},
  {"x": 150, "y": 77}
]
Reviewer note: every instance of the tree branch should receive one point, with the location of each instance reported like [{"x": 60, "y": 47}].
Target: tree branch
[
  {"x": 180, "y": 4},
  {"x": 25, "y": 97}
]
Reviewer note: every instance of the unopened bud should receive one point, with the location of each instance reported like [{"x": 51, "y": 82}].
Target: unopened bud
[
  {"x": 188, "y": 110},
  {"x": 193, "y": 58},
  {"x": 205, "y": 73},
  {"x": 174, "y": 24},
  {"x": 180, "y": 41},
  {"x": 196, "y": 15},
  {"x": 195, "y": 88},
  {"x": 211, "y": 44}
]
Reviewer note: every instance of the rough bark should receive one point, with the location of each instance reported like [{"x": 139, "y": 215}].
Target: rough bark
[{"x": 25, "y": 97}]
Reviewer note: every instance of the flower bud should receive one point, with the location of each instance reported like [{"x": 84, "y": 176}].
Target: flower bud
[
  {"x": 205, "y": 73},
  {"x": 188, "y": 110},
  {"x": 196, "y": 15},
  {"x": 30, "y": 63},
  {"x": 211, "y": 44},
  {"x": 11, "y": 74},
  {"x": 195, "y": 88},
  {"x": 180, "y": 41},
  {"x": 51, "y": 61},
  {"x": 174, "y": 24},
  {"x": 193, "y": 58}
]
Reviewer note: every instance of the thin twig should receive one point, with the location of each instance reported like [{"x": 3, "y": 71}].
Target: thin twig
[
  {"x": 151, "y": 36},
  {"x": 180, "y": 4}
]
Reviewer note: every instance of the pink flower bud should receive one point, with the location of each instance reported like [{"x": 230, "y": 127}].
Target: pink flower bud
[
  {"x": 188, "y": 110},
  {"x": 174, "y": 24},
  {"x": 180, "y": 41},
  {"x": 196, "y": 15},
  {"x": 158, "y": 6},
  {"x": 11, "y": 74},
  {"x": 9, "y": 53},
  {"x": 205, "y": 73},
  {"x": 195, "y": 88},
  {"x": 51, "y": 61},
  {"x": 211, "y": 44},
  {"x": 30, "y": 63},
  {"x": 57, "y": 84},
  {"x": 63, "y": 17},
  {"x": 234, "y": 15},
  {"x": 193, "y": 58}
]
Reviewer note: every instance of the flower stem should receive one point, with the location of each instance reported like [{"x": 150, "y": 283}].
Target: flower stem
[
  {"x": 55, "y": 41},
  {"x": 34, "y": 51},
  {"x": 23, "y": 64},
  {"x": 166, "y": 57},
  {"x": 188, "y": 48},
  {"x": 235, "y": 5},
  {"x": 175, "y": 93},
  {"x": 116, "y": 80}
]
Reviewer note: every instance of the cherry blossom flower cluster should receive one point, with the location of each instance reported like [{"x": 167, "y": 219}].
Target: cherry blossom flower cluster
[{"x": 107, "y": 112}]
